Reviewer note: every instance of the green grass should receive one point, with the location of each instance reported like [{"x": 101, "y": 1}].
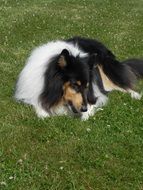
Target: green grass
[{"x": 62, "y": 153}]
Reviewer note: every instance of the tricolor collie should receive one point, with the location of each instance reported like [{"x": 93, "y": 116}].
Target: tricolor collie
[{"x": 73, "y": 77}]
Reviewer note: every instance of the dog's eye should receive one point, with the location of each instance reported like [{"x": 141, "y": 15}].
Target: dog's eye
[{"x": 76, "y": 87}]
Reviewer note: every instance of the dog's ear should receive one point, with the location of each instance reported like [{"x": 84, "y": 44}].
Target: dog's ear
[
  {"x": 63, "y": 58},
  {"x": 92, "y": 61}
]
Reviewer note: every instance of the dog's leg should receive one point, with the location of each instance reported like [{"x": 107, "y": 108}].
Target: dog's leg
[
  {"x": 101, "y": 101},
  {"x": 41, "y": 113},
  {"x": 100, "y": 95}
]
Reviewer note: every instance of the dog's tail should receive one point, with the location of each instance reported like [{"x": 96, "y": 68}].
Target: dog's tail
[{"x": 136, "y": 66}]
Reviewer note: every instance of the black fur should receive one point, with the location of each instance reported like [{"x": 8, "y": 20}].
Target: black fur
[
  {"x": 118, "y": 72},
  {"x": 90, "y": 94},
  {"x": 136, "y": 66},
  {"x": 52, "y": 91},
  {"x": 55, "y": 77},
  {"x": 91, "y": 46}
]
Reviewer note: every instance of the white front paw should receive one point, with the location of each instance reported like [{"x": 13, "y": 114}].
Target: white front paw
[
  {"x": 91, "y": 110},
  {"x": 85, "y": 116}
]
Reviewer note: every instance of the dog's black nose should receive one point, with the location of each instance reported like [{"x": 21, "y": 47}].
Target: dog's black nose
[{"x": 83, "y": 109}]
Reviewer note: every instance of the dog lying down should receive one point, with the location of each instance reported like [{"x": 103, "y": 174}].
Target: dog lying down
[{"x": 73, "y": 77}]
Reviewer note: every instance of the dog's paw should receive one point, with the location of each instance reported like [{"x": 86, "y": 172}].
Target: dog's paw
[
  {"x": 135, "y": 95},
  {"x": 84, "y": 117},
  {"x": 41, "y": 113},
  {"x": 91, "y": 111}
]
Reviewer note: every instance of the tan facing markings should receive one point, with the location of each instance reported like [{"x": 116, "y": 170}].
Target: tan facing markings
[{"x": 71, "y": 95}]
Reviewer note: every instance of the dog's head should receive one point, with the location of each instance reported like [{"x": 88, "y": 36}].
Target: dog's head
[
  {"x": 76, "y": 81},
  {"x": 66, "y": 81}
]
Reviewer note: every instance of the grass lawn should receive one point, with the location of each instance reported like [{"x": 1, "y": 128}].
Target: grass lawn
[{"x": 61, "y": 153}]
